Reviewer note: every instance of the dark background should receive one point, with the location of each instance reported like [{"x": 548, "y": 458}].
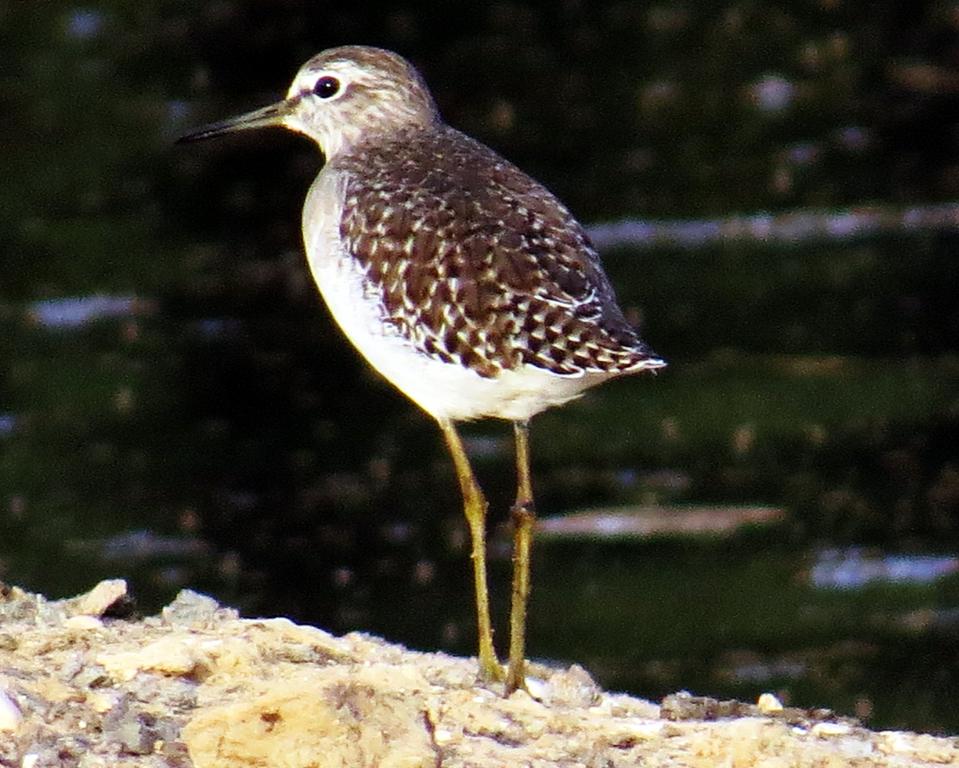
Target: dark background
[{"x": 216, "y": 432}]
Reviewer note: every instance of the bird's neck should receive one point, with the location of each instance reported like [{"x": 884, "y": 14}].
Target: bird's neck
[{"x": 360, "y": 142}]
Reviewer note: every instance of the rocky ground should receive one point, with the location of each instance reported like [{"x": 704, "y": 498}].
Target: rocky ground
[{"x": 82, "y": 683}]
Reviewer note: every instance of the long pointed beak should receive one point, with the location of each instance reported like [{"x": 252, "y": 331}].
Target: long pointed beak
[{"x": 275, "y": 114}]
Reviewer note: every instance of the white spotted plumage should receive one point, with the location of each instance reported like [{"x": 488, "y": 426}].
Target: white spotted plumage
[{"x": 463, "y": 281}]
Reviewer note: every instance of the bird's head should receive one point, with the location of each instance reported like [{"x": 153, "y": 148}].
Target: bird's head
[{"x": 342, "y": 97}]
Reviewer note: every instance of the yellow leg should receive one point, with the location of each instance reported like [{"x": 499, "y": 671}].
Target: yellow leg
[
  {"x": 524, "y": 517},
  {"x": 474, "y": 504}
]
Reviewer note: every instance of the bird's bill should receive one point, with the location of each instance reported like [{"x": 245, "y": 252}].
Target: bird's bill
[{"x": 273, "y": 115}]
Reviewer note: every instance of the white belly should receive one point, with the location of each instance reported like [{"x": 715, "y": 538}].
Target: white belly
[{"x": 443, "y": 390}]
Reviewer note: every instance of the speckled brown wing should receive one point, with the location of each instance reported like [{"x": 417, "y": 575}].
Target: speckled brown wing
[{"x": 479, "y": 265}]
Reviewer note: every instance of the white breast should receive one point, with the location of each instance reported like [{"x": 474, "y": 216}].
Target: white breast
[{"x": 443, "y": 390}]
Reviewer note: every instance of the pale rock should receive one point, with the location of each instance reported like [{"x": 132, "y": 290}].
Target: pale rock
[
  {"x": 173, "y": 655},
  {"x": 768, "y": 704},
  {"x": 300, "y": 722},
  {"x": 10, "y": 717},
  {"x": 827, "y": 729},
  {"x": 83, "y": 623},
  {"x": 100, "y": 599}
]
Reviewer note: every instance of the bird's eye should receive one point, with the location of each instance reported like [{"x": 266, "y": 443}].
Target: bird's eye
[{"x": 326, "y": 87}]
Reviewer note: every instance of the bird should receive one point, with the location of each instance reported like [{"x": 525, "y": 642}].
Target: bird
[{"x": 459, "y": 278}]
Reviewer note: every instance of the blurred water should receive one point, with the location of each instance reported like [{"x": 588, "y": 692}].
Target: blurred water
[
  {"x": 854, "y": 569},
  {"x": 78, "y": 311},
  {"x": 804, "y": 229}
]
